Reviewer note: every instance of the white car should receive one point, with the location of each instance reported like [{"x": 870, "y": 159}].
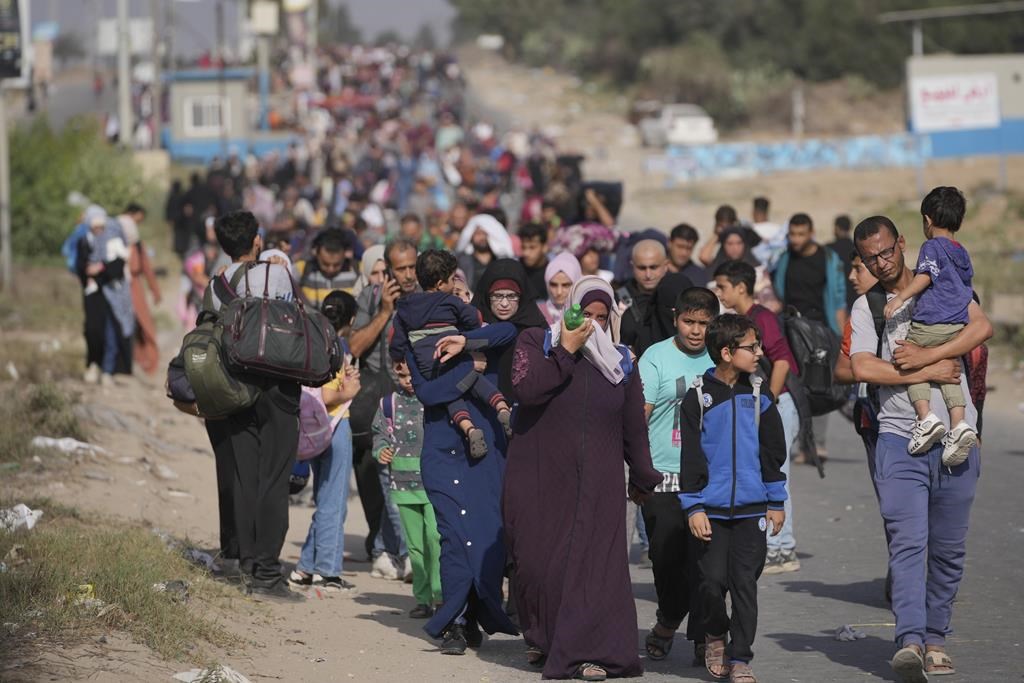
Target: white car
[{"x": 678, "y": 124}]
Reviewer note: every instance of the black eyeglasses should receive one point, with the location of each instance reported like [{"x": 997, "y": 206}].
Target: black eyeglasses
[
  {"x": 754, "y": 348},
  {"x": 885, "y": 255},
  {"x": 511, "y": 298}
]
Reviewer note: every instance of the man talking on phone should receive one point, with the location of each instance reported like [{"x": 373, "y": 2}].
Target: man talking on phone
[{"x": 369, "y": 344}]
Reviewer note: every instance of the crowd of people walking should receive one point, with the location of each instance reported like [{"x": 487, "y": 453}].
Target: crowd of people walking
[{"x": 525, "y": 384}]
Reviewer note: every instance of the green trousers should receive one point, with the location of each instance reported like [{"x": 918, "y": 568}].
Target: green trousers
[
  {"x": 929, "y": 336},
  {"x": 424, "y": 543}
]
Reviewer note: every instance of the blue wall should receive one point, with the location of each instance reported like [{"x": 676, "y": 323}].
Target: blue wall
[
  {"x": 1007, "y": 139},
  {"x": 203, "y": 151}
]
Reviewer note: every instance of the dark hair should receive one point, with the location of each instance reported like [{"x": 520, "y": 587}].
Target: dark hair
[
  {"x": 725, "y": 215},
  {"x": 946, "y": 206},
  {"x": 533, "y": 231},
  {"x": 339, "y": 307},
  {"x": 134, "y": 207},
  {"x": 801, "y": 219},
  {"x": 694, "y": 299},
  {"x": 275, "y": 237},
  {"x": 433, "y": 266},
  {"x": 411, "y": 218},
  {"x": 685, "y": 232},
  {"x": 870, "y": 227},
  {"x": 332, "y": 240},
  {"x": 844, "y": 223},
  {"x": 761, "y": 204},
  {"x": 738, "y": 272},
  {"x": 726, "y": 331},
  {"x": 399, "y": 244},
  {"x": 236, "y": 232}
]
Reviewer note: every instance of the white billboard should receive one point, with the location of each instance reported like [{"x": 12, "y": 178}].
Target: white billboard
[
  {"x": 957, "y": 102},
  {"x": 140, "y": 36}
]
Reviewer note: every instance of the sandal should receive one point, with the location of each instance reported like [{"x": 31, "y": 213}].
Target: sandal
[
  {"x": 535, "y": 656},
  {"x": 589, "y": 671},
  {"x": 714, "y": 658},
  {"x": 741, "y": 673},
  {"x": 909, "y": 664},
  {"x": 938, "y": 663},
  {"x": 657, "y": 646}
]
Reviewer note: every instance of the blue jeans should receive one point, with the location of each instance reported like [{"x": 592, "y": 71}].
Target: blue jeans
[
  {"x": 325, "y": 543},
  {"x": 786, "y": 541},
  {"x": 390, "y": 539},
  {"x": 926, "y": 508},
  {"x": 111, "y": 344}
]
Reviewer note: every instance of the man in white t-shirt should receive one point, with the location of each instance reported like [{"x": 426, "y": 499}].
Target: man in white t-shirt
[
  {"x": 667, "y": 370},
  {"x": 925, "y": 506}
]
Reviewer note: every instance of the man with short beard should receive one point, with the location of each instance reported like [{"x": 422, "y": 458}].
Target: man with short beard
[{"x": 925, "y": 506}]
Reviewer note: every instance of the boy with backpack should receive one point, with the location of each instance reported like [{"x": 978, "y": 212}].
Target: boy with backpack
[
  {"x": 397, "y": 442},
  {"x": 732, "y": 487},
  {"x": 326, "y": 409},
  {"x": 734, "y": 281},
  {"x": 423, "y": 318}
]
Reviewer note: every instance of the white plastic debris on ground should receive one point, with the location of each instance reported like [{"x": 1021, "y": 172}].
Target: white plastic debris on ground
[
  {"x": 213, "y": 674},
  {"x": 20, "y": 516},
  {"x": 847, "y": 633},
  {"x": 67, "y": 445}
]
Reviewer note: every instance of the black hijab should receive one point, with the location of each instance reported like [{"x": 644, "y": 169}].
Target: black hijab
[
  {"x": 660, "y": 323},
  {"x": 526, "y": 316},
  {"x": 747, "y": 257}
]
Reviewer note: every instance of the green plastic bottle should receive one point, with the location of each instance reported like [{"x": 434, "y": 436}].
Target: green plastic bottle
[{"x": 574, "y": 317}]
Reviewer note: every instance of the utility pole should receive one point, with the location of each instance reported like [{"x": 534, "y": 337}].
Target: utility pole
[
  {"x": 6, "y": 251},
  {"x": 124, "y": 76},
  {"x": 156, "y": 90},
  {"x": 221, "y": 84}
]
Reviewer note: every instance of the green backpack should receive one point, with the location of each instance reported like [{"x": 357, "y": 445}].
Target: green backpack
[{"x": 218, "y": 392}]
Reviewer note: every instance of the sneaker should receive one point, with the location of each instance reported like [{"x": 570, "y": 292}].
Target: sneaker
[
  {"x": 926, "y": 433},
  {"x": 92, "y": 374},
  {"x": 453, "y": 640},
  {"x": 477, "y": 443},
  {"x": 335, "y": 584},
  {"x": 407, "y": 570},
  {"x": 421, "y": 612},
  {"x": 958, "y": 444},
  {"x": 781, "y": 562},
  {"x": 384, "y": 568},
  {"x": 278, "y": 592},
  {"x": 106, "y": 380},
  {"x": 505, "y": 418},
  {"x": 300, "y": 579},
  {"x": 474, "y": 637}
]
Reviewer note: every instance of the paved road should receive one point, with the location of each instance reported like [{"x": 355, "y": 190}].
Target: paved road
[{"x": 842, "y": 549}]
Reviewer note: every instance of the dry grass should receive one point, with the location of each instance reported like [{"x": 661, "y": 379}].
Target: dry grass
[
  {"x": 36, "y": 410},
  {"x": 66, "y": 558}
]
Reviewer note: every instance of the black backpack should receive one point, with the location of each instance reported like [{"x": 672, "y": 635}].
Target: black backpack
[{"x": 816, "y": 349}]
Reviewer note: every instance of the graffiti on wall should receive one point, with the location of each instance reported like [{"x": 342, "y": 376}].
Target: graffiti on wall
[{"x": 746, "y": 159}]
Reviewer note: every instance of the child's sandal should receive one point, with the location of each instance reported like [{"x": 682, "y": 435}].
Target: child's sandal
[{"x": 714, "y": 658}]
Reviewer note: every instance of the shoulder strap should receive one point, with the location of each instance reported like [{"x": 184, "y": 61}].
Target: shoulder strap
[
  {"x": 755, "y": 383},
  {"x": 698, "y": 384},
  {"x": 387, "y": 405},
  {"x": 876, "y": 302}
]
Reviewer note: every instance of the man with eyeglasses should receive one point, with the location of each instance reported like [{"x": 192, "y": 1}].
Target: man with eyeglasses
[
  {"x": 650, "y": 263},
  {"x": 925, "y": 506}
]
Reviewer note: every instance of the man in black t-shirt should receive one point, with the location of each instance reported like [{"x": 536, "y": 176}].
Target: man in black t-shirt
[{"x": 810, "y": 277}]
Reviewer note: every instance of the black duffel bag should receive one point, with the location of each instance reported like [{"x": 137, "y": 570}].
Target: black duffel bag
[{"x": 280, "y": 339}]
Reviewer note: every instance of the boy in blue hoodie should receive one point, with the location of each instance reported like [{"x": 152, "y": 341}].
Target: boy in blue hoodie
[
  {"x": 421, "y": 319},
  {"x": 732, "y": 486}
]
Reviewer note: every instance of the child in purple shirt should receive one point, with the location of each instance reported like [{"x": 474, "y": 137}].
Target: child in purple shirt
[{"x": 942, "y": 285}]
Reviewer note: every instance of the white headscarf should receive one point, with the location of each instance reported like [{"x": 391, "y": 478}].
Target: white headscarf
[
  {"x": 497, "y": 236},
  {"x": 601, "y": 349},
  {"x": 370, "y": 258}
]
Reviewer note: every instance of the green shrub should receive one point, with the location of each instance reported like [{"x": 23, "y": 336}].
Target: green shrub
[{"x": 46, "y": 166}]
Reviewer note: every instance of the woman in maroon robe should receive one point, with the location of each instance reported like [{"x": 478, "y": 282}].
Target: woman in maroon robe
[{"x": 580, "y": 416}]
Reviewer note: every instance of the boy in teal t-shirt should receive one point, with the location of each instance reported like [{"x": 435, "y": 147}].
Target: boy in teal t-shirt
[
  {"x": 397, "y": 442},
  {"x": 667, "y": 370}
]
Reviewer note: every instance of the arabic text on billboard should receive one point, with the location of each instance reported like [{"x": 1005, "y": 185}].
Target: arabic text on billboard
[{"x": 961, "y": 102}]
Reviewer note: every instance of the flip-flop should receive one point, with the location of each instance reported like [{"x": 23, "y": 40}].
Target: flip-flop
[
  {"x": 938, "y": 663},
  {"x": 909, "y": 665},
  {"x": 582, "y": 675}
]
